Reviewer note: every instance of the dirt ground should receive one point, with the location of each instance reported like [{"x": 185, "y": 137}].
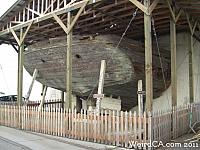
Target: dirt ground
[{"x": 181, "y": 143}]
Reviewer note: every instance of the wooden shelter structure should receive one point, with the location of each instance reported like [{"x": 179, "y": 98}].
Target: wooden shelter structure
[{"x": 31, "y": 21}]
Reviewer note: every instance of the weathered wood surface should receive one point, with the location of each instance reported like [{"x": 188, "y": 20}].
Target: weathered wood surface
[
  {"x": 125, "y": 65},
  {"x": 109, "y": 126}
]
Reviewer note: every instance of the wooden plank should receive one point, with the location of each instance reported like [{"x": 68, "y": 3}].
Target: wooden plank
[
  {"x": 88, "y": 125},
  {"x": 126, "y": 129},
  {"x": 106, "y": 127},
  {"x": 75, "y": 123},
  {"x": 135, "y": 127},
  {"x": 150, "y": 129},
  {"x": 144, "y": 128},
  {"x": 191, "y": 68},
  {"x": 69, "y": 65},
  {"x": 102, "y": 126},
  {"x": 148, "y": 58},
  {"x": 173, "y": 62},
  {"x": 63, "y": 10},
  {"x": 130, "y": 127},
  {"x": 85, "y": 124},
  {"x": 82, "y": 124},
  {"x": 61, "y": 122},
  {"x": 72, "y": 123},
  {"x": 122, "y": 128},
  {"x": 113, "y": 128},
  {"x": 79, "y": 123},
  {"x": 173, "y": 15},
  {"x": 109, "y": 127},
  {"x": 117, "y": 129},
  {"x": 95, "y": 127},
  {"x": 153, "y": 6},
  {"x": 99, "y": 127},
  {"x": 139, "y": 5}
]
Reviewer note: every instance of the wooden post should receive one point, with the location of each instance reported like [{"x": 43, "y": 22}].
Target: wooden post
[
  {"x": 192, "y": 27},
  {"x": 101, "y": 84},
  {"x": 68, "y": 100},
  {"x": 140, "y": 98},
  {"x": 32, "y": 83},
  {"x": 191, "y": 76},
  {"x": 20, "y": 70},
  {"x": 62, "y": 99},
  {"x": 43, "y": 98},
  {"x": 148, "y": 58},
  {"x": 173, "y": 60}
]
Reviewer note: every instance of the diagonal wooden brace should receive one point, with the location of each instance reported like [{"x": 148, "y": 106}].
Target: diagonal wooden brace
[
  {"x": 192, "y": 27},
  {"x": 153, "y": 6},
  {"x": 139, "y": 5},
  {"x": 21, "y": 39},
  {"x": 143, "y": 8},
  {"x": 60, "y": 22}
]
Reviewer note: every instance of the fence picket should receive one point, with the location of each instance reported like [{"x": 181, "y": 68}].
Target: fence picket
[{"x": 107, "y": 126}]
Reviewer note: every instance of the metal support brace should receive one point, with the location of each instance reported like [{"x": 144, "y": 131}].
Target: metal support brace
[{"x": 148, "y": 58}]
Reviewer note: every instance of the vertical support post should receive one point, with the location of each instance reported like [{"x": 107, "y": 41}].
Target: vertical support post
[
  {"x": 20, "y": 70},
  {"x": 191, "y": 77},
  {"x": 148, "y": 58},
  {"x": 68, "y": 101},
  {"x": 140, "y": 98},
  {"x": 173, "y": 61},
  {"x": 62, "y": 99},
  {"x": 101, "y": 84},
  {"x": 192, "y": 27}
]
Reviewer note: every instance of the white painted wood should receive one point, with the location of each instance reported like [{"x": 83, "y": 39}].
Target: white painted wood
[{"x": 101, "y": 83}]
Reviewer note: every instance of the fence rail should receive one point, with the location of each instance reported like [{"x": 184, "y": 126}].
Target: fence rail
[{"x": 107, "y": 126}]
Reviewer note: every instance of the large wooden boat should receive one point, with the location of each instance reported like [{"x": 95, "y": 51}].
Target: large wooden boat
[{"x": 125, "y": 65}]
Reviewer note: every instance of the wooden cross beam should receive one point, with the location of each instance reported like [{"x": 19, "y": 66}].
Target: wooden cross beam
[
  {"x": 191, "y": 26},
  {"x": 21, "y": 39},
  {"x": 68, "y": 29},
  {"x": 146, "y": 10}
]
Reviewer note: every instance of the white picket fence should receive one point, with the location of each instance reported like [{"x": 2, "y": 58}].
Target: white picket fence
[{"x": 108, "y": 126}]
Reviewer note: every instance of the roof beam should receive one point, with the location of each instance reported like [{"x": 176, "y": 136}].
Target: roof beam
[
  {"x": 66, "y": 9},
  {"x": 21, "y": 40},
  {"x": 139, "y": 5}
]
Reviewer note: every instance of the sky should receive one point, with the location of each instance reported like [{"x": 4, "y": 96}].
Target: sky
[{"x": 8, "y": 68}]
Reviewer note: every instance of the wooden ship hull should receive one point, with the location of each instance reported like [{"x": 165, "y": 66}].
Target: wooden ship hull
[{"x": 125, "y": 66}]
